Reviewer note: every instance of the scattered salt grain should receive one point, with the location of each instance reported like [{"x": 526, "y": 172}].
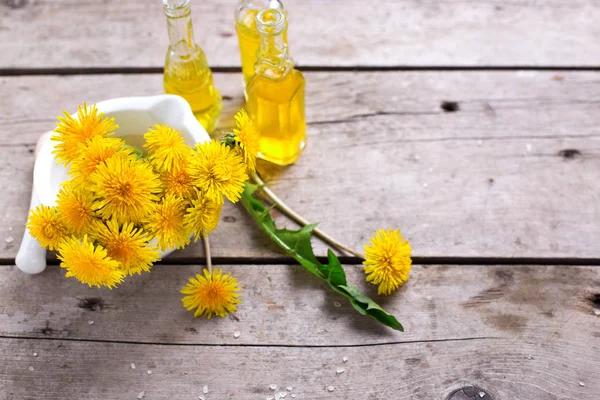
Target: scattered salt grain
[
  {"x": 528, "y": 147},
  {"x": 9, "y": 239},
  {"x": 345, "y": 359},
  {"x": 425, "y": 184},
  {"x": 481, "y": 394},
  {"x": 530, "y": 357},
  {"x": 417, "y": 157},
  {"x": 31, "y": 368},
  {"x": 10, "y": 228},
  {"x": 289, "y": 388},
  {"x": 149, "y": 372},
  {"x": 479, "y": 143},
  {"x": 430, "y": 169},
  {"x": 337, "y": 304},
  {"x": 132, "y": 366},
  {"x": 582, "y": 384},
  {"x": 90, "y": 322},
  {"x": 236, "y": 334},
  {"x": 330, "y": 388},
  {"x": 429, "y": 297},
  {"x": 35, "y": 354},
  {"x": 205, "y": 389},
  {"x": 339, "y": 371},
  {"x": 140, "y": 394},
  {"x": 282, "y": 395},
  {"x": 596, "y": 311},
  {"x": 200, "y": 397},
  {"x": 273, "y": 386},
  {"x": 293, "y": 395}
]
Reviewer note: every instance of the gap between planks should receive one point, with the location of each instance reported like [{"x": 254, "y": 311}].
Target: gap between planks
[
  {"x": 301, "y": 346},
  {"x": 236, "y": 69},
  {"x": 474, "y": 261}
]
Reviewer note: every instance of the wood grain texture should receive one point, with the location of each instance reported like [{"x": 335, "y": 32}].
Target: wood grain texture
[
  {"x": 511, "y": 173},
  {"x": 64, "y": 33},
  {"x": 286, "y": 306},
  {"x": 505, "y": 368}
]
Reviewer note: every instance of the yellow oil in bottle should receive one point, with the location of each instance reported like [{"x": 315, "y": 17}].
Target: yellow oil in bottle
[
  {"x": 278, "y": 110},
  {"x": 187, "y": 73},
  {"x": 189, "y": 79},
  {"x": 248, "y": 36},
  {"x": 275, "y": 94}
]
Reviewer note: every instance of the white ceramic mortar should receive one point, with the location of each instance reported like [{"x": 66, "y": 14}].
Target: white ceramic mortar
[{"x": 134, "y": 115}]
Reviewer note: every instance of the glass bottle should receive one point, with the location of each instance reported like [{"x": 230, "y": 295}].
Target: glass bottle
[
  {"x": 248, "y": 36},
  {"x": 187, "y": 73},
  {"x": 275, "y": 94}
]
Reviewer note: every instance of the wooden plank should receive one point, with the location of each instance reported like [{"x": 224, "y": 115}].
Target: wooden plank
[
  {"x": 63, "y": 33},
  {"x": 502, "y": 369},
  {"x": 512, "y": 173},
  {"x": 284, "y": 305}
]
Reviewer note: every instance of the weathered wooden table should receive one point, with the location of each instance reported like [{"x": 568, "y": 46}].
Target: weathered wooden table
[{"x": 472, "y": 126}]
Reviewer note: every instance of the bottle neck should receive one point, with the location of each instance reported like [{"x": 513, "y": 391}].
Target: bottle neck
[
  {"x": 274, "y": 60},
  {"x": 179, "y": 26},
  {"x": 256, "y": 5}
]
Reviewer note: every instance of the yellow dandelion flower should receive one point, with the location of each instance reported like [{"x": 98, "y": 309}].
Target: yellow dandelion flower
[
  {"x": 166, "y": 147},
  {"x": 247, "y": 136},
  {"x": 218, "y": 171},
  {"x": 47, "y": 227},
  {"x": 71, "y": 132},
  {"x": 387, "y": 260},
  {"x": 128, "y": 245},
  {"x": 95, "y": 151},
  {"x": 89, "y": 264},
  {"x": 202, "y": 216},
  {"x": 166, "y": 223},
  {"x": 178, "y": 182},
  {"x": 75, "y": 206},
  {"x": 126, "y": 188},
  {"x": 211, "y": 294}
]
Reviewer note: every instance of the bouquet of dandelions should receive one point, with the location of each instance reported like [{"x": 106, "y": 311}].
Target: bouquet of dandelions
[{"x": 123, "y": 207}]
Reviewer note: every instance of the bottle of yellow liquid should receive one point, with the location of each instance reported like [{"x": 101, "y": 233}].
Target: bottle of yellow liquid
[
  {"x": 186, "y": 71},
  {"x": 275, "y": 94},
  {"x": 248, "y": 36}
]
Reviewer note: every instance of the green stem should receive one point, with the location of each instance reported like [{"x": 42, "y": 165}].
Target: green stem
[
  {"x": 280, "y": 204},
  {"x": 207, "y": 252}
]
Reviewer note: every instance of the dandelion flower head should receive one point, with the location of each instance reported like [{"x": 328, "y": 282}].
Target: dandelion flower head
[
  {"x": 211, "y": 294},
  {"x": 126, "y": 188},
  {"x": 71, "y": 132},
  {"x": 95, "y": 151},
  {"x": 75, "y": 206},
  {"x": 178, "y": 182},
  {"x": 166, "y": 147},
  {"x": 47, "y": 227},
  {"x": 129, "y": 245},
  {"x": 387, "y": 260},
  {"x": 202, "y": 216},
  {"x": 88, "y": 263},
  {"x": 247, "y": 137},
  {"x": 218, "y": 171},
  {"x": 166, "y": 223}
]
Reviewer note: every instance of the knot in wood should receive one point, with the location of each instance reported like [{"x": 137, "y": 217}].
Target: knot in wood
[{"x": 470, "y": 393}]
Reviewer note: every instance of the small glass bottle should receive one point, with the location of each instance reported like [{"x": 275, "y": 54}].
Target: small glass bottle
[
  {"x": 248, "y": 36},
  {"x": 187, "y": 73},
  {"x": 275, "y": 94}
]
